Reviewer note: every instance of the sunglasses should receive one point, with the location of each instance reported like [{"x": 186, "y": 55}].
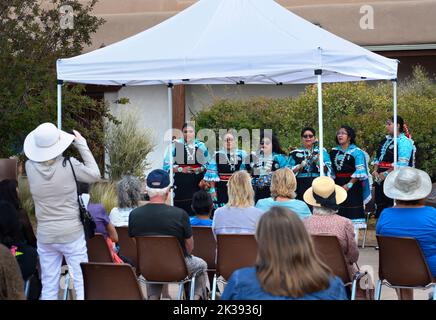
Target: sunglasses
[{"x": 306, "y": 136}]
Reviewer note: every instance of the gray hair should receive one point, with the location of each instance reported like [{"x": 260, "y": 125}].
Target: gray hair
[
  {"x": 128, "y": 192},
  {"x": 155, "y": 192},
  {"x": 323, "y": 211}
]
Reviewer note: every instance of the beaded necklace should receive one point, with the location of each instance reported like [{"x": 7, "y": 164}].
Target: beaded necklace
[
  {"x": 340, "y": 163},
  {"x": 190, "y": 151}
]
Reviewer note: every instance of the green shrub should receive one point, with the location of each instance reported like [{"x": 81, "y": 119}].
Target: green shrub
[
  {"x": 365, "y": 106},
  {"x": 25, "y": 195},
  {"x": 127, "y": 146}
]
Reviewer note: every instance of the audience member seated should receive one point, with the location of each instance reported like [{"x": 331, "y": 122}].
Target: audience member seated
[
  {"x": 202, "y": 205},
  {"x": 9, "y": 192},
  {"x": 10, "y": 236},
  {"x": 239, "y": 215},
  {"x": 11, "y": 282},
  {"x": 325, "y": 197},
  {"x": 158, "y": 218},
  {"x": 129, "y": 195},
  {"x": 410, "y": 217},
  {"x": 283, "y": 186},
  {"x": 287, "y": 266}
]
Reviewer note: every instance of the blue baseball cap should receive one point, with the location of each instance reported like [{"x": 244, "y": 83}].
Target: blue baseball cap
[{"x": 158, "y": 179}]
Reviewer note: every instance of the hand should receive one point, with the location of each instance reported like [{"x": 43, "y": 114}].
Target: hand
[
  {"x": 381, "y": 176},
  {"x": 77, "y": 135},
  {"x": 345, "y": 187},
  {"x": 375, "y": 173}
]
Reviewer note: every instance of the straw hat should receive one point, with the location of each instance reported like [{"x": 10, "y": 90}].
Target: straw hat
[
  {"x": 323, "y": 188},
  {"x": 407, "y": 184},
  {"x": 46, "y": 142}
]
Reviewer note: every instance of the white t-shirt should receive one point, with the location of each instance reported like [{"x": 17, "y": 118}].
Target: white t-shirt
[
  {"x": 119, "y": 217},
  {"x": 235, "y": 220}
]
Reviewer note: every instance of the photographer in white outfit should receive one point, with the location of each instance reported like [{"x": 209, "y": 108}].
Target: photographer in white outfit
[{"x": 53, "y": 188}]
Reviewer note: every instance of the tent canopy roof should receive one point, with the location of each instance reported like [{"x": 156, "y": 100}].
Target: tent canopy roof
[{"x": 228, "y": 42}]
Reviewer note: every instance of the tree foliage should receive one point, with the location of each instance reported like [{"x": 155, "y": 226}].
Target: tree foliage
[
  {"x": 362, "y": 105},
  {"x": 32, "y": 38}
]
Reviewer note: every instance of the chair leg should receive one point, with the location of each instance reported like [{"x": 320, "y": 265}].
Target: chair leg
[
  {"x": 67, "y": 285},
  {"x": 192, "y": 291},
  {"x": 378, "y": 290},
  {"x": 364, "y": 237},
  {"x": 26, "y": 288},
  {"x": 181, "y": 290},
  {"x": 353, "y": 290},
  {"x": 434, "y": 292},
  {"x": 214, "y": 287}
]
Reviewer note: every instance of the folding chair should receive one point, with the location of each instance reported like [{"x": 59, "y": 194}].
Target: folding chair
[
  {"x": 329, "y": 250},
  {"x": 110, "y": 281},
  {"x": 127, "y": 244},
  {"x": 402, "y": 265},
  {"x": 98, "y": 251},
  {"x": 234, "y": 251},
  {"x": 161, "y": 261},
  {"x": 205, "y": 248},
  {"x": 8, "y": 169}
]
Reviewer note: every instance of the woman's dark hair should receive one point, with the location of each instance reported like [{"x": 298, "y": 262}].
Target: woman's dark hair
[
  {"x": 308, "y": 129},
  {"x": 201, "y": 203},
  {"x": 187, "y": 124},
  {"x": 351, "y": 133},
  {"x": 8, "y": 192},
  {"x": 10, "y": 227},
  {"x": 275, "y": 142},
  {"x": 400, "y": 122}
]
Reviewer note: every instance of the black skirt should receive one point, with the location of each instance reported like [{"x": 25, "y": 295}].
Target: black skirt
[
  {"x": 221, "y": 194},
  {"x": 380, "y": 199},
  {"x": 186, "y": 184},
  {"x": 302, "y": 185},
  {"x": 352, "y": 207}
]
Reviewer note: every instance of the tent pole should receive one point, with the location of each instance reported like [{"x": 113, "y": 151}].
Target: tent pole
[
  {"x": 320, "y": 124},
  {"x": 170, "y": 126},
  {"x": 60, "y": 82},
  {"x": 395, "y": 123}
]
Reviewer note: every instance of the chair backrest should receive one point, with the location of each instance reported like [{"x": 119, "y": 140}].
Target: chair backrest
[
  {"x": 402, "y": 263},
  {"x": 8, "y": 169},
  {"x": 161, "y": 259},
  {"x": 127, "y": 244},
  {"x": 329, "y": 250},
  {"x": 98, "y": 250},
  {"x": 110, "y": 281},
  {"x": 235, "y": 251},
  {"x": 204, "y": 245}
]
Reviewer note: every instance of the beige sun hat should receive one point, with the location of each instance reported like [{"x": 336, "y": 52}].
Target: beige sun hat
[
  {"x": 407, "y": 184},
  {"x": 324, "y": 188},
  {"x": 46, "y": 142}
]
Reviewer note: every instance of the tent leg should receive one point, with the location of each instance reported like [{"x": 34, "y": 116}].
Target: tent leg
[
  {"x": 60, "y": 82},
  {"x": 170, "y": 126},
  {"x": 395, "y": 123},
  {"x": 320, "y": 124}
]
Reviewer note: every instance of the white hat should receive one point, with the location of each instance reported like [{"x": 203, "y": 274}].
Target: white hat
[
  {"x": 323, "y": 188},
  {"x": 46, "y": 142},
  {"x": 407, "y": 184}
]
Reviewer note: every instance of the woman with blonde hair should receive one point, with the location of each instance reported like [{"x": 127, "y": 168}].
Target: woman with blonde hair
[
  {"x": 239, "y": 215},
  {"x": 283, "y": 186},
  {"x": 292, "y": 274}
]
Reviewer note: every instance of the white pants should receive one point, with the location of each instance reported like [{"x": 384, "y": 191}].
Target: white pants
[{"x": 50, "y": 258}]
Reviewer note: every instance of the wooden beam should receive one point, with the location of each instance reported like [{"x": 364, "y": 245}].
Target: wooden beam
[{"x": 178, "y": 106}]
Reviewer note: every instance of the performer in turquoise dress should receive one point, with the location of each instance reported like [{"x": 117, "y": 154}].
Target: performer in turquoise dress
[
  {"x": 190, "y": 157},
  {"x": 220, "y": 168},
  {"x": 261, "y": 164},
  {"x": 304, "y": 161},
  {"x": 384, "y": 159}
]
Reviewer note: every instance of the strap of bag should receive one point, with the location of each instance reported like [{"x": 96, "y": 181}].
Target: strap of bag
[{"x": 75, "y": 179}]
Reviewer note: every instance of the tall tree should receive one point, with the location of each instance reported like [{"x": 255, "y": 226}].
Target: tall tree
[{"x": 33, "y": 35}]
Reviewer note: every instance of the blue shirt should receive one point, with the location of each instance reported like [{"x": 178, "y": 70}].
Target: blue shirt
[
  {"x": 418, "y": 223},
  {"x": 297, "y": 206},
  {"x": 201, "y": 222},
  {"x": 244, "y": 285}
]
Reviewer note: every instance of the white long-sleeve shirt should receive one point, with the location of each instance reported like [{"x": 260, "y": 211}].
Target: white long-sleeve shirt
[{"x": 54, "y": 193}]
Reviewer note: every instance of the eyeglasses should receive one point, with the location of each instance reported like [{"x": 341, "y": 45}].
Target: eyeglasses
[
  {"x": 342, "y": 133},
  {"x": 388, "y": 123},
  {"x": 307, "y": 136}
]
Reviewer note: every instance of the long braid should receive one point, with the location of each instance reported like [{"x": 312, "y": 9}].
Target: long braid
[{"x": 406, "y": 131}]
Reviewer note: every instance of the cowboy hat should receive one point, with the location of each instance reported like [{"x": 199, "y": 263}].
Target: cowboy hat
[
  {"x": 407, "y": 184},
  {"x": 46, "y": 142},
  {"x": 323, "y": 188}
]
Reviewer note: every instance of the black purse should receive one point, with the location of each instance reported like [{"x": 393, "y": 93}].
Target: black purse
[{"x": 86, "y": 218}]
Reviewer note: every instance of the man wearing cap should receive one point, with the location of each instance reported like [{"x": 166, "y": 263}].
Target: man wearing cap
[
  {"x": 410, "y": 217},
  {"x": 53, "y": 188},
  {"x": 158, "y": 218}
]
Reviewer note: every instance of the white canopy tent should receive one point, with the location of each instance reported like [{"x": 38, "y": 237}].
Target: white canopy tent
[{"x": 230, "y": 42}]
